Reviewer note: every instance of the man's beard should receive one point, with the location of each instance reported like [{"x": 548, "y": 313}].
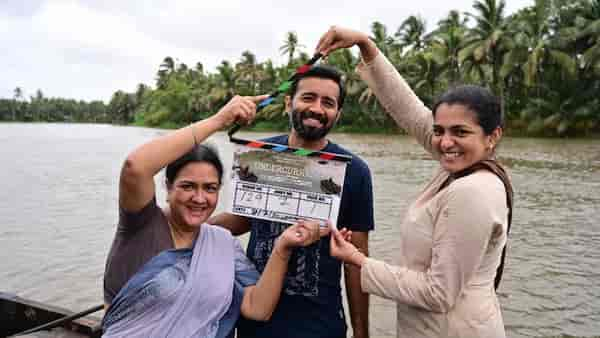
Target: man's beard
[{"x": 309, "y": 133}]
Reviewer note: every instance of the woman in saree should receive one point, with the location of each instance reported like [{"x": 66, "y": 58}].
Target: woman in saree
[
  {"x": 452, "y": 240},
  {"x": 168, "y": 272}
]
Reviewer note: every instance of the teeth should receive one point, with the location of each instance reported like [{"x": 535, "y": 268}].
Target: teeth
[{"x": 451, "y": 155}]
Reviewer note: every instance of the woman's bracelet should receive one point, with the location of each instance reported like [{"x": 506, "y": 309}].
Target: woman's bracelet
[{"x": 352, "y": 254}]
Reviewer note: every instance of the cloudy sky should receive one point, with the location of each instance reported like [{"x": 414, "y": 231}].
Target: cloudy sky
[{"x": 88, "y": 49}]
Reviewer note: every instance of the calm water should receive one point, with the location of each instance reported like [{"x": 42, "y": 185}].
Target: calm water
[{"x": 58, "y": 206}]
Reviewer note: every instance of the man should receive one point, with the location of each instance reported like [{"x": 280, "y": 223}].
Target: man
[{"x": 311, "y": 302}]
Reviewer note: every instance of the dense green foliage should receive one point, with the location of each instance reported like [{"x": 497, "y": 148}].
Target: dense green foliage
[{"x": 543, "y": 61}]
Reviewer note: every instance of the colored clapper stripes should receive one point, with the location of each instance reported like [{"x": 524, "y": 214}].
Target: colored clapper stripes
[{"x": 296, "y": 151}]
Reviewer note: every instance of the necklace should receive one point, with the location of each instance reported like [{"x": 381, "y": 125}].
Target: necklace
[{"x": 178, "y": 240}]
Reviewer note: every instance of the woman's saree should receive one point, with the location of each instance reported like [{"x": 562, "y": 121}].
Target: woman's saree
[{"x": 194, "y": 292}]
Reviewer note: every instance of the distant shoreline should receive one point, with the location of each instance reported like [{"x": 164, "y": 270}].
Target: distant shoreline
[{"x": 269, "y": 127}]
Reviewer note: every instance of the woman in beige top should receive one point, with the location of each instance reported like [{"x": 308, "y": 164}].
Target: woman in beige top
[{"x": 453, "y": 236}]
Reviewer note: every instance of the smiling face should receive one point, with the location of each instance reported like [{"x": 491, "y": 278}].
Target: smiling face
[
  {"x": 194, "y": 194},
  {"x": 314, "y": 108},
  {"x": 459, "y": 139}
]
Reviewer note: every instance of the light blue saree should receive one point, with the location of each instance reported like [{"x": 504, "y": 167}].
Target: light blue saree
[{"x": 195, "y": 292}]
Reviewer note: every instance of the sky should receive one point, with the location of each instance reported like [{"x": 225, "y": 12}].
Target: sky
[{"x": 88, "y": 49}]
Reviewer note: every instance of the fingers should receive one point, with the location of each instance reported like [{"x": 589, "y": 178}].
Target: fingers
[
  {"x": 243, "y": 108},
  {"x": 312, "y": 227},
  {"x": 336, "y": 38},
  {"x": 324, "y": 231},
  {"x": 306, "y": 232},
  {"x": 346, "y": 234},
  {"x": 333, "y": 245},
  {"x": 331, "y": 226},
  {"x": 258, "y": 98},
  {"x": 323, "y": 46},
  {"x": 337, "y": 245},
  {"x": 340, "y": 236},
  {"x": 248, "y": 112},
  {"x": 336, "y": 45},
  {"x": 303, "y": 233}
]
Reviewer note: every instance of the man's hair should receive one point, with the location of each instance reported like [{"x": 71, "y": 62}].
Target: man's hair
[{"x": 322, "y": 72}]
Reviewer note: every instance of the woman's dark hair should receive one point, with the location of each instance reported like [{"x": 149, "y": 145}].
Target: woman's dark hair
[
  {"x": 481, "y": 101},
  {"x": 200, "y": 153},
  {"x": 321, "y": 72}
]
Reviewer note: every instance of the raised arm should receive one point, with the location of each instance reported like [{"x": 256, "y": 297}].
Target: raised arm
[
  {"x": 260, "y": 300},
  {"x": 392, "y": 91},
  {"x": 136, "y": 185}
]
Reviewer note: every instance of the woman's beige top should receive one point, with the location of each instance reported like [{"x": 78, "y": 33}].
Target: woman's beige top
[{"x": 450, "y": 241}]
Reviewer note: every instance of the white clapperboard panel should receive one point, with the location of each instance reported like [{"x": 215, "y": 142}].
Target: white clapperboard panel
[{"x": 283, "y": 184}]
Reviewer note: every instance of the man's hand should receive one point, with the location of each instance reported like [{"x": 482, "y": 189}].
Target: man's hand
[{"x": 303, "y": 233}]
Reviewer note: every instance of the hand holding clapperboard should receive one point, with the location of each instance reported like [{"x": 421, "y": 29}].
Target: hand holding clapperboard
[{"x": 284, "y": 184}]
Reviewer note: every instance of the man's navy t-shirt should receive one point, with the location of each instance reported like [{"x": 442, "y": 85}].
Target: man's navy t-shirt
[{"x": 311, "y": 302}]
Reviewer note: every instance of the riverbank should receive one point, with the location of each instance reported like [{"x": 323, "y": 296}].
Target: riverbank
[{"x": 282, "y": 127}]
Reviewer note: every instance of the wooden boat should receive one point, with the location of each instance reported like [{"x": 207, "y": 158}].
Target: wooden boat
[{"x": 18, "y": 315}]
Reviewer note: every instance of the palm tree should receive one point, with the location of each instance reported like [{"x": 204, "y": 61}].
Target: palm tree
[
  {"x": 164, "y": 70},
  {"x": 248, "y": 71},
  {"x": 122, "y": 106},
  {"x": 452, "y": 21},
  {"x": 446, "y": 42},
  {"x": 223, "y": 85},
  {"x": 140, "y": 92},
  {"x": 566, "y": 107},
  {"x": 485, "y": 41},
  {"x": 290, "y": 46},
  {"x": 185, "y": 73},
  {"x": 591, "y": 35},
  {"x": 411, "y": 33},
  {"x": 37, "y": 102},
  {"x": 199, "y": 68},
  {"x": 533, "y": 48},
  {"x": 381, "y": 38},
  {"x": 168, "y": 64},
  {"x": 429, "y": 67},
  {"x": 18, "y": 95}
]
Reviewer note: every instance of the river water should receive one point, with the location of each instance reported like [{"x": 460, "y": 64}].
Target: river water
[{"x": 58, "y": 206}]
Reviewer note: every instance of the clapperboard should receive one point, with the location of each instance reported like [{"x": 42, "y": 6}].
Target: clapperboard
[{"x": 284, "y": 184}]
